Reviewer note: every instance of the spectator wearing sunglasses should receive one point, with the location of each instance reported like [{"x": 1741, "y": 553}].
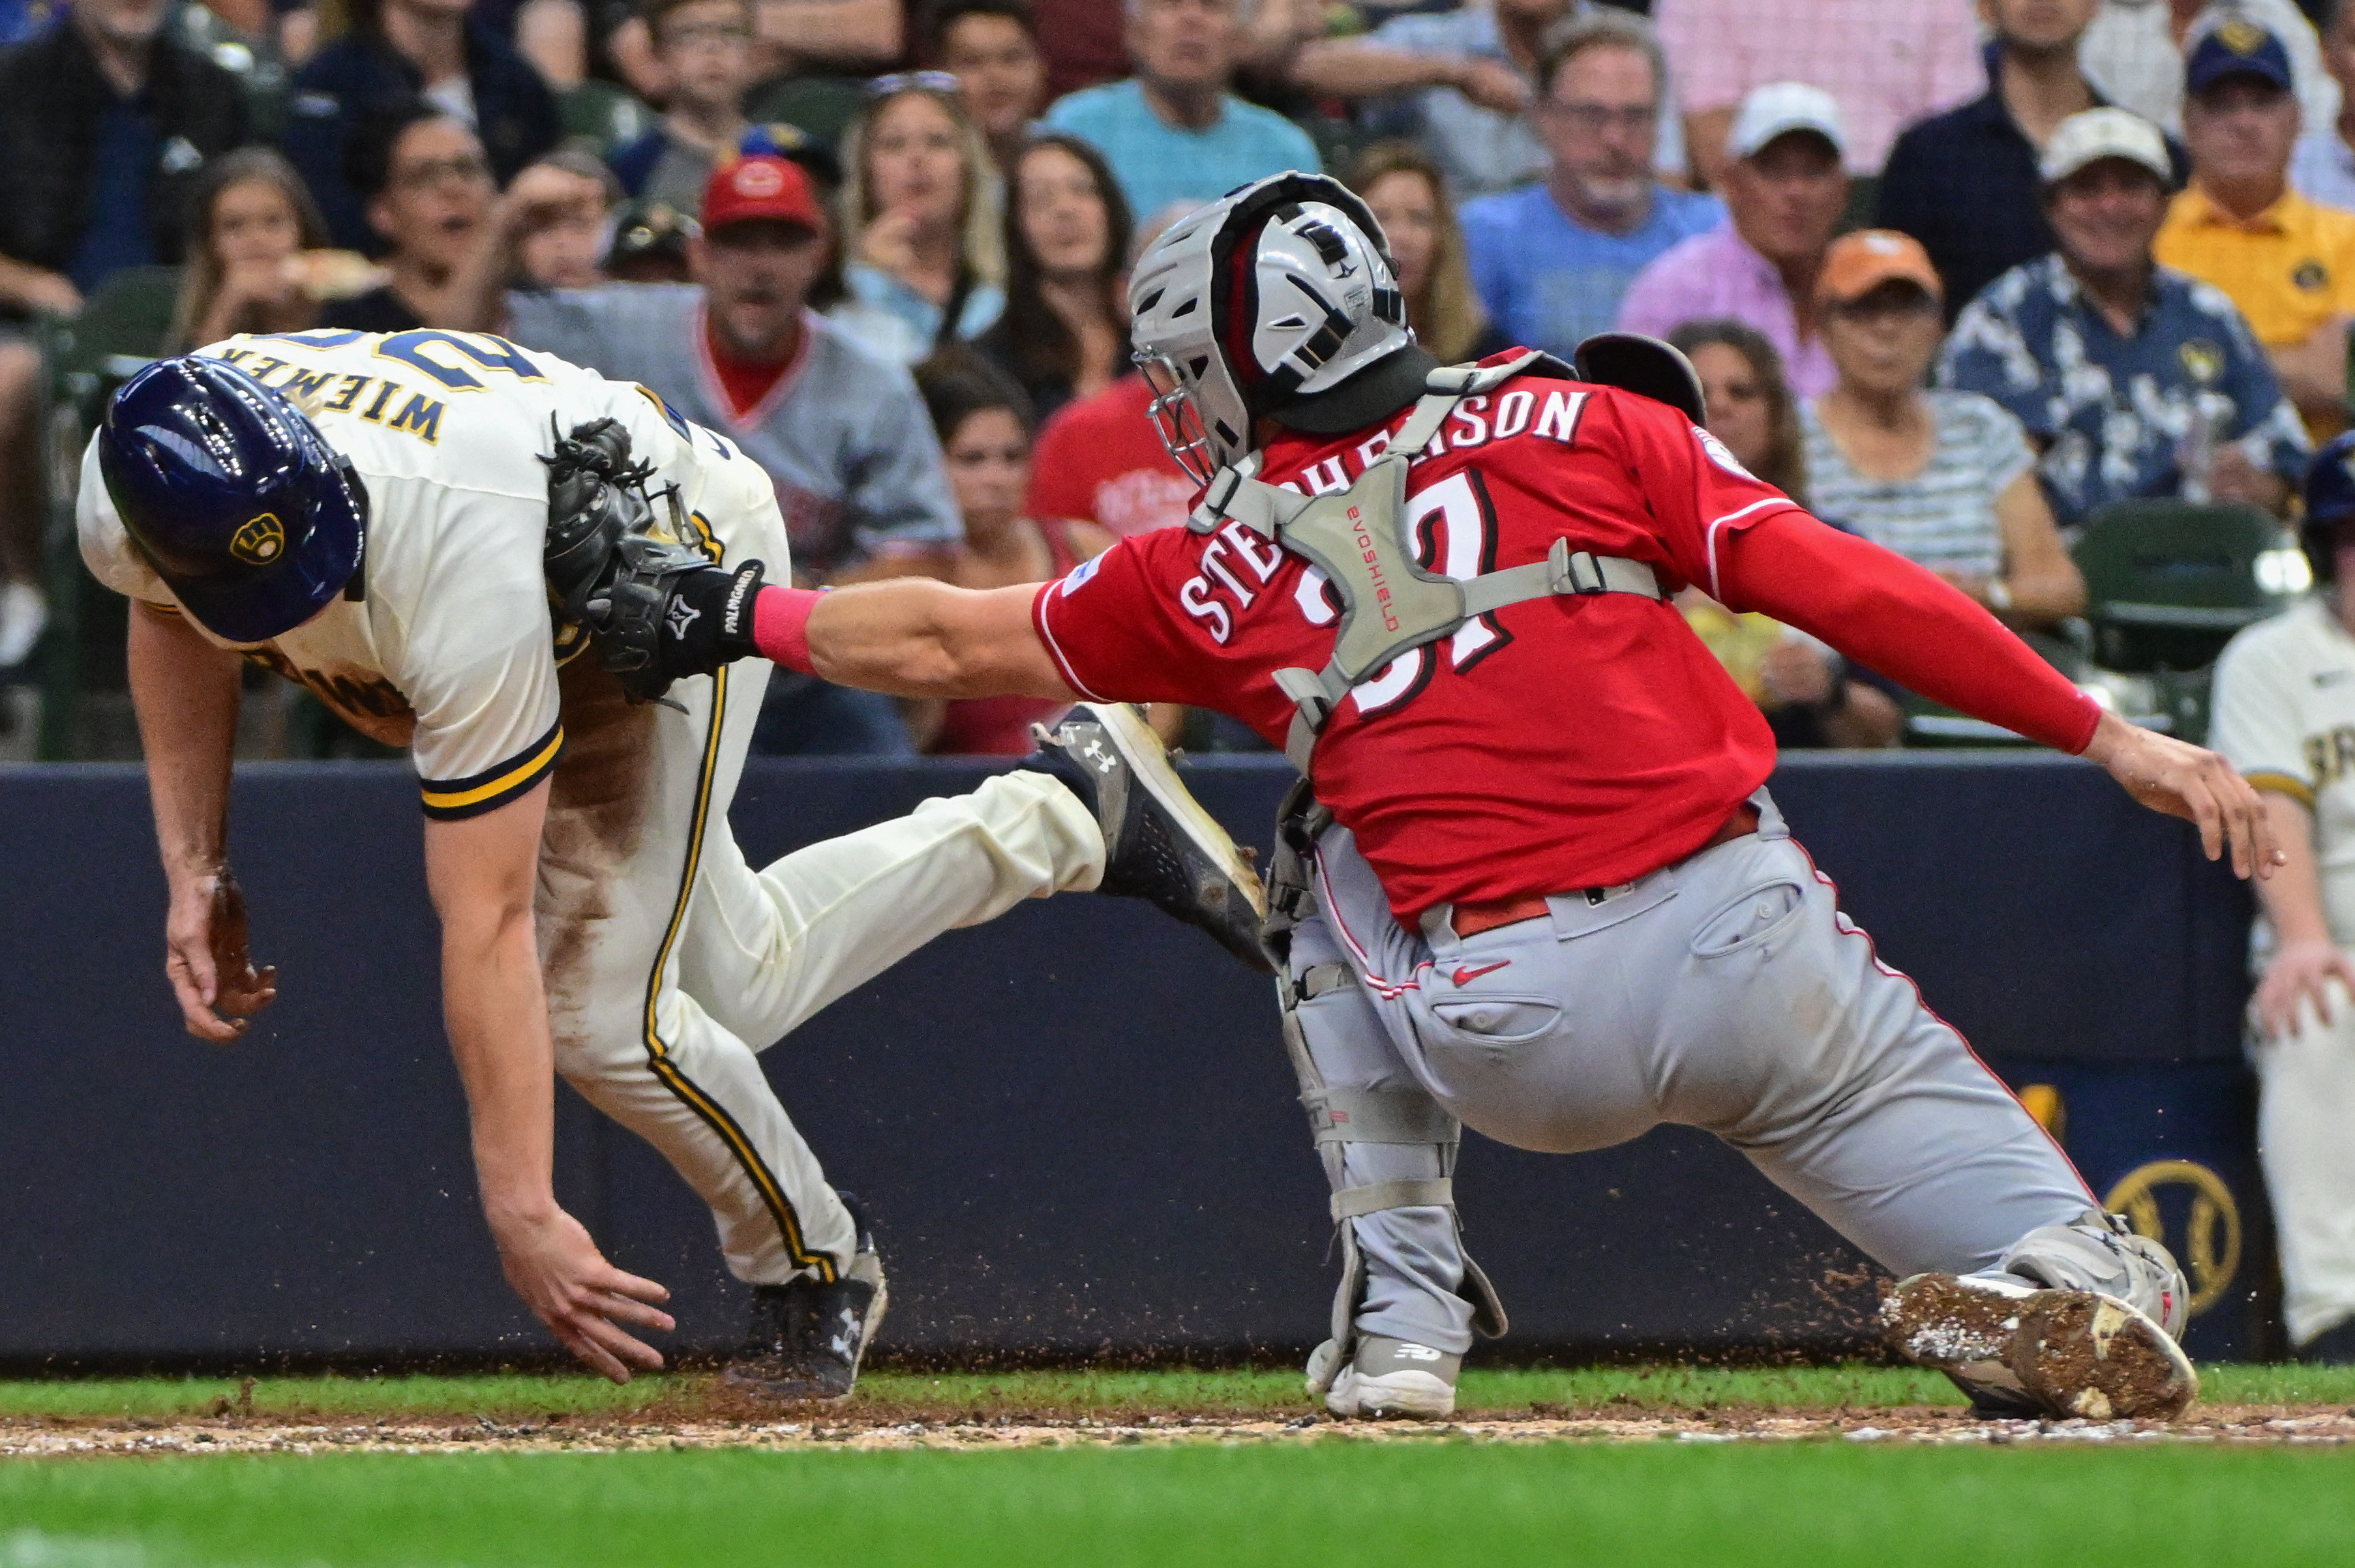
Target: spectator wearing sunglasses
[{"x": 925, "y": 263}]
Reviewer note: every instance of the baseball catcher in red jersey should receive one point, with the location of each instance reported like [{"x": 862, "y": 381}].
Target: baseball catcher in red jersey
[{"x": 1533, "y": 881}]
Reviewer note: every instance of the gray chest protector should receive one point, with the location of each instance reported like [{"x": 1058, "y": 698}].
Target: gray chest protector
[{"x": 1390, "y": 603}]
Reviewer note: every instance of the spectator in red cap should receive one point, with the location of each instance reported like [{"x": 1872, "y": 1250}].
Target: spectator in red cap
[{"x": 842, "y": 434}]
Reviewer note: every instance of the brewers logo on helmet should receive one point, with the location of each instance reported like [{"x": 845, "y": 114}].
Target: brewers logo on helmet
[
  {"x": 254, "y": 522},
  {"x": 260, "y": 541}
]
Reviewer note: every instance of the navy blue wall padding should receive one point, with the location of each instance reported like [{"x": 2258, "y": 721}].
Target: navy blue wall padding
[{"x": 1075, "y": 1127}]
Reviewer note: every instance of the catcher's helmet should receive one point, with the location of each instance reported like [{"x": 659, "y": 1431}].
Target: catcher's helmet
[
  {"x": 2329, "y": 500},
  {"x": 1278, "y": 301},
  {"x": 233, "y": 495}
]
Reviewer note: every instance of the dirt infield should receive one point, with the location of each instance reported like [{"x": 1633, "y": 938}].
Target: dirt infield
[{"x": 53, "y": 1436}]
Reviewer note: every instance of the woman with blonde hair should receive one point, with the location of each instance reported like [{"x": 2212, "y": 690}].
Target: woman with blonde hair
[
  {"x": 258, "y": 256},
  {"x": 924, "y": 254},
  {"x": 1402, "y": 185}
]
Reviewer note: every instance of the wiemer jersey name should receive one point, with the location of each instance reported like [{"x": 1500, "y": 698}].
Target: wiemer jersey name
[{"x": 1561, "y": 744}]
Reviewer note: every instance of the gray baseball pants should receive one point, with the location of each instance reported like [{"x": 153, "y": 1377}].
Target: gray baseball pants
[{"x": 1726, "y": 992}]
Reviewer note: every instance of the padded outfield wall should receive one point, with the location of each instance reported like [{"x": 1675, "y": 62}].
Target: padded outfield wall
[{"x": 1075, "y": 1127}]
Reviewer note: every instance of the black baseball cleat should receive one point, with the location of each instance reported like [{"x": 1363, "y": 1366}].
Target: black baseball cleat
[
  {"x": 1159, "y": 845},
  {"x": 807, "y": 1338}
]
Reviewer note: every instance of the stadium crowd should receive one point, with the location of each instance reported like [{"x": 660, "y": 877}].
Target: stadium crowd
[{"x": 1958, "y": 276}]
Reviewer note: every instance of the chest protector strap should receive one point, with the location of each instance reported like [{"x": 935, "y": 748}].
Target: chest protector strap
[{"x": 1391, "y": 604}]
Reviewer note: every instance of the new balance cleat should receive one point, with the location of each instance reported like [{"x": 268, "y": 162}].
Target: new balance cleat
[
  {"x": 2017, "y": 1350},
  {"x": 808, "y": 1337},
  {"x": 1393, "y": 1380},
  {"x": 1159, "y": 845}
]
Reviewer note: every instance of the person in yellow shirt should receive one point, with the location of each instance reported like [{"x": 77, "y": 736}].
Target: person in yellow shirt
[{"x": 2287, "y": 263}]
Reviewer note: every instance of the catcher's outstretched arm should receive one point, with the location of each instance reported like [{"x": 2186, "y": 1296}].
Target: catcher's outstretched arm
[{"x": 911, "y": 637}]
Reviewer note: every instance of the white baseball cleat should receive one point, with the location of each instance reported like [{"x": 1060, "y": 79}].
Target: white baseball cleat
[
  {"x": 1392, "y": 1380},
  {"x": 2019, "y": 1349}
]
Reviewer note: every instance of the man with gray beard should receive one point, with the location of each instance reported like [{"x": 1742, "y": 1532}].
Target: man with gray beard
[{"x": 1550, "y": 260}]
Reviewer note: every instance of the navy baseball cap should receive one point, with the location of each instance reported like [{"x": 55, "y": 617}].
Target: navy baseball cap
[{"x": 2236, "y": 47}]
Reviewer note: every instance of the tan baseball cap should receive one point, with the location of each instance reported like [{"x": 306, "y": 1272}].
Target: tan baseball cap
[
  {"x": 1858, "y": 263},
  {"x": 2097, "y": 133}
]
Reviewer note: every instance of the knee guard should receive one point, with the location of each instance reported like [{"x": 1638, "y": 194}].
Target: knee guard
[
  {"x": 1339, "y": 1117},
  {"x": 2101, "y": 1252}
]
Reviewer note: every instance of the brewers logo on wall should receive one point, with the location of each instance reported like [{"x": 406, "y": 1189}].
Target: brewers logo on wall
[
  {"x": 260, "y": 542},
  {"x": 2187, "y": 1208}
]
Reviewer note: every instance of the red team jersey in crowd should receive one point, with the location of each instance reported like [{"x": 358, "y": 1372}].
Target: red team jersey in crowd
[{"x": 1560, "y": 744}]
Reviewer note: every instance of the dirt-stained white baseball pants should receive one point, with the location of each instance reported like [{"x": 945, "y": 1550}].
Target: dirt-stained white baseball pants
[
  {"x": 2306, "y": 1139},
  {"x": 670, "y": 961},
  {"x": 1725, "y": 993}
]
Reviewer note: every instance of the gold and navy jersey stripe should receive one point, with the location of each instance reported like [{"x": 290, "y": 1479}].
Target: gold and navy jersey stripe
[
  {"x": 666, "y": 1067},
  {"x": 453, "y": 800},
  {"x": 2288, "y": 784}
]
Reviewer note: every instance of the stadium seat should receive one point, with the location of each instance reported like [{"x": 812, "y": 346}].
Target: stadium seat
[
  {"x": 2167, "y": 583},
  {"x": 121, "y": 326}
]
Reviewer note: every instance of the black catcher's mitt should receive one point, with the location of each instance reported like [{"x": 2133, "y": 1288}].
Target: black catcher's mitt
[{"x": 656, "y": 609}]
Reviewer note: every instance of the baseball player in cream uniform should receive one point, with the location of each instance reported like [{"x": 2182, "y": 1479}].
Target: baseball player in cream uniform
[
  {"x": 2284, "y": 715},
  {"x": 365, "y": 516}
]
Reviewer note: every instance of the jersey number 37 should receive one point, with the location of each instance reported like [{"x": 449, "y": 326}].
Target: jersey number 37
[{"x": 1453, "y": 528}]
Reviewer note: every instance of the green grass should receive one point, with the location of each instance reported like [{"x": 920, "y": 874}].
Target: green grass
[
  {"x": 1819, "y": 1505},
  {"x": 1113, "y": 1394}
]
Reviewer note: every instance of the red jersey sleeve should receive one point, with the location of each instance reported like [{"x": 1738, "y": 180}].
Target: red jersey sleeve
[
  {"x": 1112, "y": 630},
  {"x": 1891, "y": 616},
  {"x": 1697, "y": 492}
]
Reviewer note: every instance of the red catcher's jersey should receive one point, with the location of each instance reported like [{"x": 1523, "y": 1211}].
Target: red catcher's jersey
[{"x": 1560, "y": 744}]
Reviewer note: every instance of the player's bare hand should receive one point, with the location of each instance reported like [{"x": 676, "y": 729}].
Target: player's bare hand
[
  {"x": 212, "y": 975},
  {"x": 2300, "y": 971},
  {"x": 584, "y": 1300},
  {"x": 2188, "y": 781}
]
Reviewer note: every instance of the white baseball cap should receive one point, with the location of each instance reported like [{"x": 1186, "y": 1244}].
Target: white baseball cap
[
  {"x": 1779, "y": 108},
  {"x": 2093, "y": 135}
]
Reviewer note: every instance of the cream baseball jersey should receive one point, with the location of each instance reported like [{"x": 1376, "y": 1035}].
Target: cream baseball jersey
[
  {"x": 444, "y": 641},
  {"x": 2285, "y": 716}
]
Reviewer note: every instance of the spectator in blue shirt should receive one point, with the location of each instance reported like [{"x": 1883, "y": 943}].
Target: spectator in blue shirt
[
  {"x": 400, "y": 49},
  {"x": 1174, "y": 132},
  {"x": 1550, "y": 260},
  {"x": 2133, "y": 381},
  {"x": 1965, "y": 183}
]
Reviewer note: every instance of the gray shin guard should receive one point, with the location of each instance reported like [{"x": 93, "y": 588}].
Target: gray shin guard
[
  {"x": 1339, "y": 1117},
  {"x": 2101, "y": 1252}
]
